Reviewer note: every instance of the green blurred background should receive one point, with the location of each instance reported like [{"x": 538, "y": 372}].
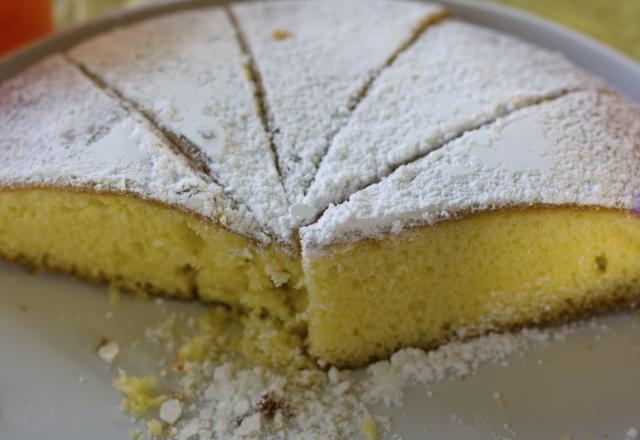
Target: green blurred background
[{"x": 615, "y": 22}]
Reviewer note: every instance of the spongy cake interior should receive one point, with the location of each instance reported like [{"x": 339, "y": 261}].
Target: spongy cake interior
[
  {"x": 487, "y": 271},
  {"x": 140, "y": 245},
  {"x": 492, "y": 270}
]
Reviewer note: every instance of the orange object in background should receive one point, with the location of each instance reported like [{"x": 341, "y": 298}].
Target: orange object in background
[{"x": 22, "y": 21}]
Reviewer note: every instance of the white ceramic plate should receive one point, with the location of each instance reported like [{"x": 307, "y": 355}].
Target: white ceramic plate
[{"x": 52, "y": 386}]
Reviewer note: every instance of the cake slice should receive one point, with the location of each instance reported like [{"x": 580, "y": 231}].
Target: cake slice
[
  {"x": 89, "y": 187},
  {"x": 527, "y": 220},
  {"x": 314, "y": 60},
  {"x": 187, "y": 73},
  {"x": 455, "y": 77}
]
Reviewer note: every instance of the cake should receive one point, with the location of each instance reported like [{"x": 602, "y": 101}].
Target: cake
[{"x": 365, "y": 191}]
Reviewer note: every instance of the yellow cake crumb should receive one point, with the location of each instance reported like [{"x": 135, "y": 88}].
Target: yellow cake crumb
[
  {"x": 115, "y": 294},
  {"x": 209, "y": 327},
  {"x": 497, "y": 396},
  {"x": 138, "y": 393},
  {"x": 154, "y": 428},
  {"x": 264, "y": 340},
  {"x": 269, "y": 342},
  {"x": 280, "y": 34},
  {"x": 136, "y": 434},
  {"x": 369, "y": 428}
]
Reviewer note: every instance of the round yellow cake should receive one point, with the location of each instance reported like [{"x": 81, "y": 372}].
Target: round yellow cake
[{"x": 367, "y": 174}]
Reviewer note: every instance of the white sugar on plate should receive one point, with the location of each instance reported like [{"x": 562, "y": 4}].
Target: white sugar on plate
[
  {"x": 109, "y": 351},
  {"x": 237, "y": 399},
  {"x": 170, "y": 411}
]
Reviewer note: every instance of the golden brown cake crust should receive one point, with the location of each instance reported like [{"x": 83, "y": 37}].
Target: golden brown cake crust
[
  {"x": 620, "y": 299},
  {"x": 33, "y": 267}
]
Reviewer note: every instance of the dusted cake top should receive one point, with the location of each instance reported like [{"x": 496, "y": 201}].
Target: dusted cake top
[
  {"x": 187, "y": 72},
  {"x": 170, "y": 109},
  {"x": 314, "y": 60},
  {"x": 454, "y": 78},
  {"x": 58, "y": 129},
  {"x": 581, "y": 149}
]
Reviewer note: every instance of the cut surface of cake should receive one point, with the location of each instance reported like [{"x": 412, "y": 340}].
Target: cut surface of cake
[
  {"x": 471, "y": 182},
  {"x": 315, "y": 60}
]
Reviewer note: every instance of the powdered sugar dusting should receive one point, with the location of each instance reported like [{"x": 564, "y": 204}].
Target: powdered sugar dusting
[
  {"x": 58, "y": 129},
  {"x": 186, "y": 71},
  {"x": 457, "y": 76},
  {"x": 314, "y": 58},
  {"x": 582, "y": 149}
]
